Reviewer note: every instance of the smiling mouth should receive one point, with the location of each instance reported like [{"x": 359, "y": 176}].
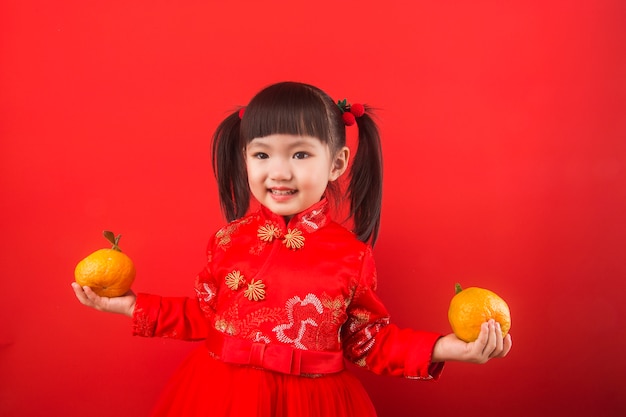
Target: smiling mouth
[{"x": 282, "y": 192}]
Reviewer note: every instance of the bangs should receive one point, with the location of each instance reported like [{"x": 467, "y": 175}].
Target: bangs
[{"x": 289, "y": 108}]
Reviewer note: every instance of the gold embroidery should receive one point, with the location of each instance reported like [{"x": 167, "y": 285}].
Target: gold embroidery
[
  {"x": 294, "y": 239},
  {"x": 336, "y": 307},
  {"x": 268, "y": 232},
  {"x": 226, "y": 327},
  {"x": 257, "y": 249},
  {"x": 224, "y": 234},
  {"x": 234, "y": 280},
  {"x": 361, "y": 317},
  {"x": 225, "y": 240},
  {"x": 361, "y": 362},
  {"x": 255, "y": 291},
  {"x": 249, "y": 324}
]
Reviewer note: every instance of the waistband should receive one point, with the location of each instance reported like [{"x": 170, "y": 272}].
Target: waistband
[{"x": 273, "y": 357}]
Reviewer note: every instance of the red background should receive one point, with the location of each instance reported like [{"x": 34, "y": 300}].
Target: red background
[{"x": 504, "y": 130}]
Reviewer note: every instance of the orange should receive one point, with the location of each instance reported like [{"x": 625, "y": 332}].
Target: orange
[
  {"x": 108, "y": 272},
  {"x": 473, "y": 306}
]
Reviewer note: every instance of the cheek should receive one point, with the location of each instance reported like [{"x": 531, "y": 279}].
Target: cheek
[
  {"x": 315, "y": 179},
  {"x": 250, "y": 168},
  {"x": 256, "y": 174}
]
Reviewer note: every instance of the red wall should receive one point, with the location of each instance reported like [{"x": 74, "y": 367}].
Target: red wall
[{"x": 505, "y": 149}]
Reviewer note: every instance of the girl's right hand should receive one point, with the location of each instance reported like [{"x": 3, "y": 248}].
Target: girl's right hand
[{"x": 124, "y": 304}]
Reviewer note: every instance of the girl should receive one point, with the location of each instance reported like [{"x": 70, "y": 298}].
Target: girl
[{"x": 287, "y": 294}]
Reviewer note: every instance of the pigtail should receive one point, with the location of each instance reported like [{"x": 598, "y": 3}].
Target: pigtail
[
  {"x": 229, "y": 168},
  {"x": 366, "y": 181}
]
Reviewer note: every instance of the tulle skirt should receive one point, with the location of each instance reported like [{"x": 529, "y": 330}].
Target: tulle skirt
[{"x": 206, "y": 387}]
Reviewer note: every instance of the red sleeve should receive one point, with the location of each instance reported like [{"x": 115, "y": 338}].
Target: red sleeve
[
  {"x": 177, "y": 318},
  {"x": 372, "y": 342},
  {"x": 404, "y": 352}
]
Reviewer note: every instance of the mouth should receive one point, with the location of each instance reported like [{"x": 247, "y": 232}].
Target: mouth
[{"x": 282, "y": 191}]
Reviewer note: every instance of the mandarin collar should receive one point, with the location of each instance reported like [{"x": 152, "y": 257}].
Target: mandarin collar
[{"x": 309, "y": 220}]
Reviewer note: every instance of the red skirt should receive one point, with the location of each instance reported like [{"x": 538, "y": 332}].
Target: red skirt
[{"x": 206, "y": 387}]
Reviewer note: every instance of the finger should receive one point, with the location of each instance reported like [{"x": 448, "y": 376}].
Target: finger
[
  {"x": 91, "y": 295},
  {"x": 507, "y": 345},
  {"x": 490, "y": 346},
  {"x": 499, "y": 341},
  {"x": 479, "y": 346},
  {"x": 483, "y": 337},
  {"x": 80, "y": 294},
  {"x": 88, "y": 291},
  {"x": 96, "y": 301},
  {"x": 77, "y": 288}
]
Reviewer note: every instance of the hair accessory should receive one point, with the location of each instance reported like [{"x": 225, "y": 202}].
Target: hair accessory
[
  {"x": 350, "y": 111},
  {"x": 241, "y": 112}
]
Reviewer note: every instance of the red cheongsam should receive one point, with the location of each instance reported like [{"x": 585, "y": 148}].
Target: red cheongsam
[{"x": 280, "y": 307}]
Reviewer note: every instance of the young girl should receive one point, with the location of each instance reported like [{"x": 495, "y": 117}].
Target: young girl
[{"x": 287, "y": 293}]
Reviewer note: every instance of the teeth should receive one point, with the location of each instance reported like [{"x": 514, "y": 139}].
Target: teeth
[{"x": 283, "y": 192}]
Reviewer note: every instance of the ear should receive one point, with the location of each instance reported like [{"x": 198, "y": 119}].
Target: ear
[{"x": 340, "y": 163}]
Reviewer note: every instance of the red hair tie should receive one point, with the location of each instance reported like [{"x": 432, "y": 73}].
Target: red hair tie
[{"x": 350, "y": 111}]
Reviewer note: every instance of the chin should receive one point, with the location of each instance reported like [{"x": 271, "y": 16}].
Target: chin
[{"x": 282, "y": 213}]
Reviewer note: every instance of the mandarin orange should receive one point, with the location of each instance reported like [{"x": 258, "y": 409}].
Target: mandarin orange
[
  {"x": 473, "y": 306},
  {"x": 108, "y": 272}
]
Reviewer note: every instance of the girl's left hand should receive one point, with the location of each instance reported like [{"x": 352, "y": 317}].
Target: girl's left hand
[{"x": 489, "y": 344}]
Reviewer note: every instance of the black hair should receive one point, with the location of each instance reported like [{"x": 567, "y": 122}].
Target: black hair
[{"x": 299, "y": 109}]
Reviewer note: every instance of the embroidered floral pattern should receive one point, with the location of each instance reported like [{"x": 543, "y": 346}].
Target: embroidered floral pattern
[
  {"x": 336, "y": 306},
  {"x": 260, "y": 337},
  {"x": 293, "y": 239},
  {"x": 257, "y": 249},
  {"x": 223, "y": 236},
  {"x": 249, "y": 325},
  {"x": 225, "y": 327},
  {"x": 255, "y": 291},
  {"x": 143, "y": 325},
  {"x": 268, "y": 232},
  {"x": 206, "y": 292},
  {"x": 234, "y": 280},
  {"x": 310, "y": 220},
  {"x": 300, "y": 317}
]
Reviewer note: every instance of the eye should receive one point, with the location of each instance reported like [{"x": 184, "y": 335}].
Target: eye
[
  {"x": 300, "y": 155},
  {"x": 260, "y": 155}
]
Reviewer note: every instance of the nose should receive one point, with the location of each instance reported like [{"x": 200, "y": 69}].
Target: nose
[{"x": 280, "y": 169}]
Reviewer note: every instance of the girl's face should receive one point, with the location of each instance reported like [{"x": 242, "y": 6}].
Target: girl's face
[{"x": 289, "y": 173}]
